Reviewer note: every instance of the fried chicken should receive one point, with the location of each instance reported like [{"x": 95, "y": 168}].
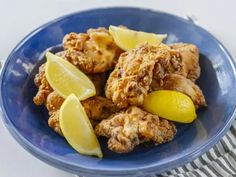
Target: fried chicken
[
  {"x": 145, "y": 68},
  {"x": 44, "y": 89},
  {"x": 169, "y": 62},
  {"x": 137, "y": 72},
  {"x": 190, "y": 57},
  {"x": 53, "y": 122},
  {"x": 183, "y": 60},
  {"x": 133, "y": 126},
  {"x": 92, "y": 52},
  {"x": 53, "y": 102},
  {"x": 130, "y": 81},
  {"x": 182, "y": 84}
]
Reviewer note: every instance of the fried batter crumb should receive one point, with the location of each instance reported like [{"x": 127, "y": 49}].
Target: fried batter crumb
[{"x": 133, "y": 126}]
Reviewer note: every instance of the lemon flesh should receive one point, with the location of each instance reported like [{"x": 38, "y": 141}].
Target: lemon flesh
[
  {"x": 128, "y": 39},
  {"x": 77, "y": 128},
  {"x": 65, "y": 78},
  {"x": 171, "y": 105}
]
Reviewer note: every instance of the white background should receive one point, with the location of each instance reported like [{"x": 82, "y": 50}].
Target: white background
[{"x": 19, "y": 17}]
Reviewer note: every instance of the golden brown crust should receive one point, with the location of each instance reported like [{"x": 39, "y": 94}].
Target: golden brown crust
[
  {"x": 169, "y": 62},
  {"x": 92, "y": 52},
  {"x": 53, "y": 122},
  {"x": 133, "y": 126},
  {"x": 190, "y": 57},
  {"x": 53, "y": 102},
  {"x": 43, "y": 86},
  {"x": 130, "y": 81}
]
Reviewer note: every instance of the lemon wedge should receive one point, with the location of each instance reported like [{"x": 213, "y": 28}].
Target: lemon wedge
[
  {"x": 170, "y": 105},
  {"x": 77, "y": 128},
  {"x": 65, "y": 78},
  {"x": 128, "y": 39}
]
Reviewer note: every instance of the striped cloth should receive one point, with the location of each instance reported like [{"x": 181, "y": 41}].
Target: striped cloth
[{"x": 219, "y": 161}]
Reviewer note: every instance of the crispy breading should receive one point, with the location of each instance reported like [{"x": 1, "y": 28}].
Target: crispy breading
[
  {"x": 53, "y": 102},
  {"x": 190, "y": 57},
  {"x": 144, "y": 68},
  {"x": 133, "y": 126},
  {"x": 130, "y": 81},
  {"x": 92, "y": 52},
  {"x": 40, "y": 80},
  {"x": 184, "y": 61},
  {"x": 182, "y": 84},
  {"x": 53, "y": 122},
  {"x": 43, "y": 86},
  {"x": 169, "y": 62}
]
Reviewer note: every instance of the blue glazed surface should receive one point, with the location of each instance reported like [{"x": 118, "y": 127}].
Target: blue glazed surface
[{"x": 28, "y": 123}]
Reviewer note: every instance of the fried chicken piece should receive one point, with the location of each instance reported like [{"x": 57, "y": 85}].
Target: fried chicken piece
[
  {"x": 92, "y": 52},
  {"x": 133, "y": 126},
  {"x": 130, "y": 81},
  {"x": 99, "y": 108},
  {"x": 43, "y": 86},
  {"x": 190, "y": 57},
  {"x": 183, "y": 60},
  {"x": 169, "y": 62},
  {"x": 53, "y": 122},
  {"x": 181, "y": 84},
  {"x": 53, "y": 102}
]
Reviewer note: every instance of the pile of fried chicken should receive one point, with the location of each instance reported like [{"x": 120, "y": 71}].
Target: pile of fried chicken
[{"x": 122, "y": 80}]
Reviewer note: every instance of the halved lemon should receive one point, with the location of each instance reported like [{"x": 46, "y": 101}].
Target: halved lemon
[
  {"x": 170, "y": 105},
  {"x": 77, "y": 128},
  {"x": 65, "y": 78},
  {"x": 128, "y": 39}
]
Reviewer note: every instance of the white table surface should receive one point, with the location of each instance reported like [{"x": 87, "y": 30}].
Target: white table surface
[{"x": 19, "y": 17}]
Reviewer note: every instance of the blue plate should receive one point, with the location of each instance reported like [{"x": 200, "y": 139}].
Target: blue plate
[{"x": 28, "y": 123}]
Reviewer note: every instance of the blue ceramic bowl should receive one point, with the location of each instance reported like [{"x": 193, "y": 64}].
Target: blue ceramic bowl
[{"x": 28, "y": 123}]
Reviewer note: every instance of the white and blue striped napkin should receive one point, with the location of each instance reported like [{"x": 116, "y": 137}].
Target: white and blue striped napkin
[{"x": 219, "y": 161}]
